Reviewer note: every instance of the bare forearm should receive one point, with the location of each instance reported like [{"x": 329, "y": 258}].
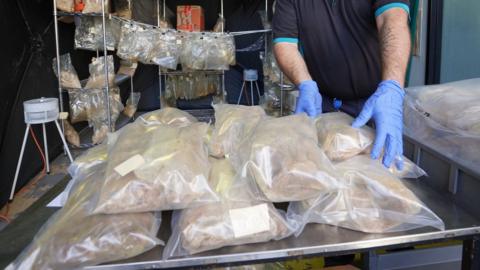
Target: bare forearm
[
  {"x": 291, "y": 62},
  {"x": 395, "y": 44}
]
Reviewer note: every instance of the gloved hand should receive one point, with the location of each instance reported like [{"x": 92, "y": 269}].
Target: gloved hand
[
  {"x": 386, "y": 108},
  {"x": 309, "y": 100}
]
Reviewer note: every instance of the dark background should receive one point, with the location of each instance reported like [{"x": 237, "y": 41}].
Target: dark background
[{"x": 28, "y": 47}]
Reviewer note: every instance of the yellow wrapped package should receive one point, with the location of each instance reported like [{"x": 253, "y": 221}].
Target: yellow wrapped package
[
  {"x": 72, "y": 238},
  {"x": 225, "y": 223},
  {"x": 154, "y": 167},
  {"x": 370, "y": 200}
]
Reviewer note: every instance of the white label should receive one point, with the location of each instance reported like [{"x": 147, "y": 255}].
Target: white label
[
  {"x": 63, "y": 115},
  {"x": 129, "y": 165},
  {"x": 250, "y": 220},
  {"x": 179, "y": 42}
]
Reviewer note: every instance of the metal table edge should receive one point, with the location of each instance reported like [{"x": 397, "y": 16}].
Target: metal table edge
[{"x": 295, "y": 252}]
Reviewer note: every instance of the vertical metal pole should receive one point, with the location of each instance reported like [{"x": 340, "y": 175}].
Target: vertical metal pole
[
  {"x": 158, "y": 12},
  {"x": 160, "y": 98},
  {"x": 224, "y": 92},
  {"x": 57, "y": 51},
  {"x": 105, "y": 61},
  {"x": 45, "y": 146},
  {"x": 64, "y": 142},
  {"x": 12, "y": 192},
  {"x": 251, "y": 93},
  {"x": 164, "y": 10},
  {"x": 266, "y": 34}
]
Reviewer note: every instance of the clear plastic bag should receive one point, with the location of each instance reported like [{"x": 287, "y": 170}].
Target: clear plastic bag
[
  {"x": 72, "y": 238},
  {"x": 168, "y": 116},
  {"x": 95, "y": 6},
  {"x": 207, "y": 51},
  {"x": 69, "y": 78},
  {"x": 132, "y": 104},
  {"x": 123, "y": 8},
  {"x": 338, "y": 139},
  {"x": 224, "y": 223},
  {"x": 89, "y": 34},
  {"x": 232, "y": 124},
  {"x": 78, "y": 100},
  {"x": 97, "y": 73},
  {"x": 370, "y": 200},
  {"x": 219, "y": 25},
  {"x": 71, "y": 135},
  {"x": 65, "y": 5},
  {"x": 154, "y": 167},
  {"x": 282, "y": 162},
  {"x": 165, "y": 51},
  {"x": 97, "y": 112},
  {"x": 137, "y": 42}
]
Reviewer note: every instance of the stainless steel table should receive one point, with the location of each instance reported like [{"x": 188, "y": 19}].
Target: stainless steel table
[{"x": 324, "y": 240}]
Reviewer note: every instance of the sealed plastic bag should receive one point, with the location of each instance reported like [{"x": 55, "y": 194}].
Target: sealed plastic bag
[
  {"x": 123, "y": 8},
  {"x": 224, "y": 223},
  {"x": 95, "y": 6},
  {"x": 370, "y": 200},
  {"x": 168, "y": 116},
  {"x": 137, "y": 42},
  {"x": 72, "y": 238},
  {"x": 65, "y": 5},
  {"x": 71, "y": 135},
  {"x": 165, "y": 51},
  {"x": 154, "y": 167},
  {"x": 338, "y": 139},
  {"x": 232, "y": 124},
  {"x": 97, "y": 112},
  {"x": 220, "y": 52},
  {"x": 282, "y": 161},
  {"x": 78, "y": 100},
  {"x": 97, "y": 73},
  {"x": 132, "y": 103},
  {"x": 68, "y": 74},
  {"x": 89, "y": 34}
]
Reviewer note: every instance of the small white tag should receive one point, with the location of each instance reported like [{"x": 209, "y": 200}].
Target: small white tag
[
  {"x": 179, "y": 42},
  {"x": 63, "y": 115},
  {"x": 129, "y": 165},
  {"x": 250, "y": 220}
]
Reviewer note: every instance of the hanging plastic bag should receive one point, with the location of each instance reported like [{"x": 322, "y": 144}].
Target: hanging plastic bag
[
  {"x": 89, "y": 34},
  {"x": 282, "y": 162},
  {"x": 225, "y": 223},
  {"x": 338, "y": 139},
  {"x": 232, "y": 124},
  {"x": 95, "y": 6},
  {"x": 132, "y": 103},
  {"x": 71, "y": 135},
  {"x": 154, "y": 167},
  {"x": 69, "y": 78},
  {"x": 78, "y": 100},
  {"x": 123, "y": 8},
  {"x": 165, "y": 51},
  {"x": 136, "y": 42},
  {"x": 97, "y": 73},
  {"x": 98, "y": 113},
  {"x": 219, "y": 25},
  {"x": 168, "y": 116},
  {"x": 220, "y": 51},
  {"x": 194, "y": 52},
  {"x": 370, "y": 200},
  {"x": 65, "y": 5},
  {"x": 72, "y": 238}
]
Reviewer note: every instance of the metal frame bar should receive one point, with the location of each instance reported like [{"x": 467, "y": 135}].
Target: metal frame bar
[{"x": 105, "y": 56}]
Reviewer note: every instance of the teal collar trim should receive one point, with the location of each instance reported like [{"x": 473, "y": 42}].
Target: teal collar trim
[{"x": 384, "y": 8}]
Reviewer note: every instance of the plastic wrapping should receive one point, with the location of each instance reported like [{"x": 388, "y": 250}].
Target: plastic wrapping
[
  {"x": 72, "y": 238},
  {"x": 192, "y": 86},
  {"x": 282, "y": 162},
  {"x": 89, "y": 34},
  {"x": 370, "y": 200},
  {"x": 338, "y": 139},
  {"x": 225, "y": 223},
  {"x": 132, "y": 104},
  {"x": 137, "y": 42},
  {"x": 207, "y": 51},
  {"x": 123, "y": 8},
  {"x": 65, "y": 5},
  {"x": 97, "y": 73},
  {"x": 97, "y": 112},
  {"x": 232, "y": 124},
  {"x": 165, "y": 51},
  {"x": 78, "y": 100},
  {"x": 168, "y": 116},
  {"x": 154, "y": 167},
  {"x": 71, "y": 135},
  {"x": 95, "y": 6},
  {"x": 219, "y": 25},
  {"x": 69, "y": 77}
]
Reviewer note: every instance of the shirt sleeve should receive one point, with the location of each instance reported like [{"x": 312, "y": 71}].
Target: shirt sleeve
[
  {"x": 380, "y": 6},
  {"x": 285, "y": 27}
]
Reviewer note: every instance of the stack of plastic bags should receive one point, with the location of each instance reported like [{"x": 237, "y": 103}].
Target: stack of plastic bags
[
  {"x": 89, "y": 33},
  {"x": 446, "y": 117},
  {"x": 192, "y": 86}
]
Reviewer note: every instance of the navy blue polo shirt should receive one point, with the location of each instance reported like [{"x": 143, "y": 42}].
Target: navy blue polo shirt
[{"x": 339, "y": 41}]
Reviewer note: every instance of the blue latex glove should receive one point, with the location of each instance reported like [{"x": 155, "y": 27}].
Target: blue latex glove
[
  {"x": 309, "y": 100},
  {"x": 386, "y": 108}
]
